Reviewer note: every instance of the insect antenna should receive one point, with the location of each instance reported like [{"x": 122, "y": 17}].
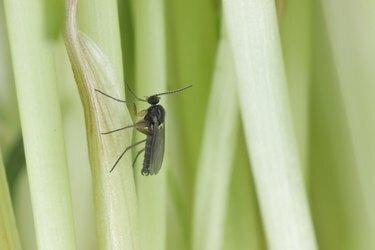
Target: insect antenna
[
  {"x": 133, "y": 94},
  {"x": 174, "y": 91},
  {"x": 113, "y": 98}
]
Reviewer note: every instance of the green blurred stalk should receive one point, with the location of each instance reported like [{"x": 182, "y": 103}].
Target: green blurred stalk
[
  {"x": 8, "y": 230},
  {"x": 34, "y": 70},
  {"x": 218, "y": 148},
  {"x": 336, "y": 196},
  {"x": 150, "y": 57},
  {"x": 192, "y": 35},
  {"x": 99, "y": 20},
  {"x": 96, "y": 63},
  {"x": 254, "y": 37},
  {"x": 352, "y": 38},
  {"x": 127, "y": 40},
  {"x": 243, "y": 225}
]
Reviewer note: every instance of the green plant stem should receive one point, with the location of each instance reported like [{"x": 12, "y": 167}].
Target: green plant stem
[
  {"x": 254, "y": 37},
  {"x": 99, "y": 20},
  {"x": 352, "y": 38},
  {"x": 8, "y": 230},
  {"x": 336, "y": 197},
  {"x": 115, "y": 197},
  {"x": 243, "y": 227},
  {"x": 150, "y": 57},
  {"x": 215, "y": 166},
  {"x": 35, "y": 77},
  {"x": 192, "y": 36}
]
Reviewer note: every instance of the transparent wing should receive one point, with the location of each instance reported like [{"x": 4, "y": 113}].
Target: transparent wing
[{"x": 157, "y": 151}]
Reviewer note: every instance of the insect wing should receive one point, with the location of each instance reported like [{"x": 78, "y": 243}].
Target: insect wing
[{"x": 157, "y": 149}]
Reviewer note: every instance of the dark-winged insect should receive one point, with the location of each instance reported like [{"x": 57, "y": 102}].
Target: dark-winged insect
[{"x": 153, "y": 126}]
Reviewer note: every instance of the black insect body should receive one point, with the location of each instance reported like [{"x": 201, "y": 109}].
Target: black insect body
[
  {"x": 153, "y": 126},
  {"x": 153, "y": 122}
]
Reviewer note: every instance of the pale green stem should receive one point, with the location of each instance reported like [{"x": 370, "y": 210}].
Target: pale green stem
[
  {"x": 243, "y": 227},
  {"x": 192, "y": 34},
  {"x": 99, "y": 20},
  {"x": 34, "y": 70},
  {"x": 150, "y": 57},
  {"x": 335, "y": 193},
  {"x": 115, "y": 197},
  {"x": 216, "y": 161},
  {"x": 352, "y": 37},
  {"x": 8, "y": 230},
  {"x": 254, "y": 37}
]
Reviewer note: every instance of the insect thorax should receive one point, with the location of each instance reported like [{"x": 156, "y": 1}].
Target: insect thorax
[{"x": 155, "y": 113}]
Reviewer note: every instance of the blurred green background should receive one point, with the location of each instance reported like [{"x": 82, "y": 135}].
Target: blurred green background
[{"x": 328, "y": 51}]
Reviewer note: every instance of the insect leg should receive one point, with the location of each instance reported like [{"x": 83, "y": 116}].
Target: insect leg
[
  {"x": 135, "y": 111},
  {"x": 140, "y": 113},
  {"x": 143, "y": 127},
  {"x": 122, "y": 154},
  {"x": 113, "y": 98},
  {"x": 138, "y": 154}
]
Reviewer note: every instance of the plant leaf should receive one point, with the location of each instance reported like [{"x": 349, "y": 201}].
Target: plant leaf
[
  {"x": 35, "y": 78},
  {"x": 216, "y": 162},
  {"x": 352, "y": 39},
  {"x": 115, "y": 197},
  {"x": 254, "y": 37},
  {"x": 150, "y": 58}
]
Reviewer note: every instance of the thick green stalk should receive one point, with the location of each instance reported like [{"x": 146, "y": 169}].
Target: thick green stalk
[
  {"x": 115, "y": 197},
  {"x": 8, "y": 230},
  {"x": 254, "y": 37},
  {"x": 243, "y": 226},
  {"x": 192, "y": 35},
  {"x": 150, "y": 57},
  {"x": 99, "y": 20},
  {"x": 216, "y": 162},
  {"x": 34, "y": 70},
  {"x": 336, "y": 197},
  {"x": 352, "y": 37}
]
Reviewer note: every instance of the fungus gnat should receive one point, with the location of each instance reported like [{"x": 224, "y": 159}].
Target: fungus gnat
[{"x": 153, "y": 126}]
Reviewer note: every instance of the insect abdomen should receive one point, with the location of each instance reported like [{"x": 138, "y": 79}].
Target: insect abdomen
[{"x": 147, "y": 158}]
